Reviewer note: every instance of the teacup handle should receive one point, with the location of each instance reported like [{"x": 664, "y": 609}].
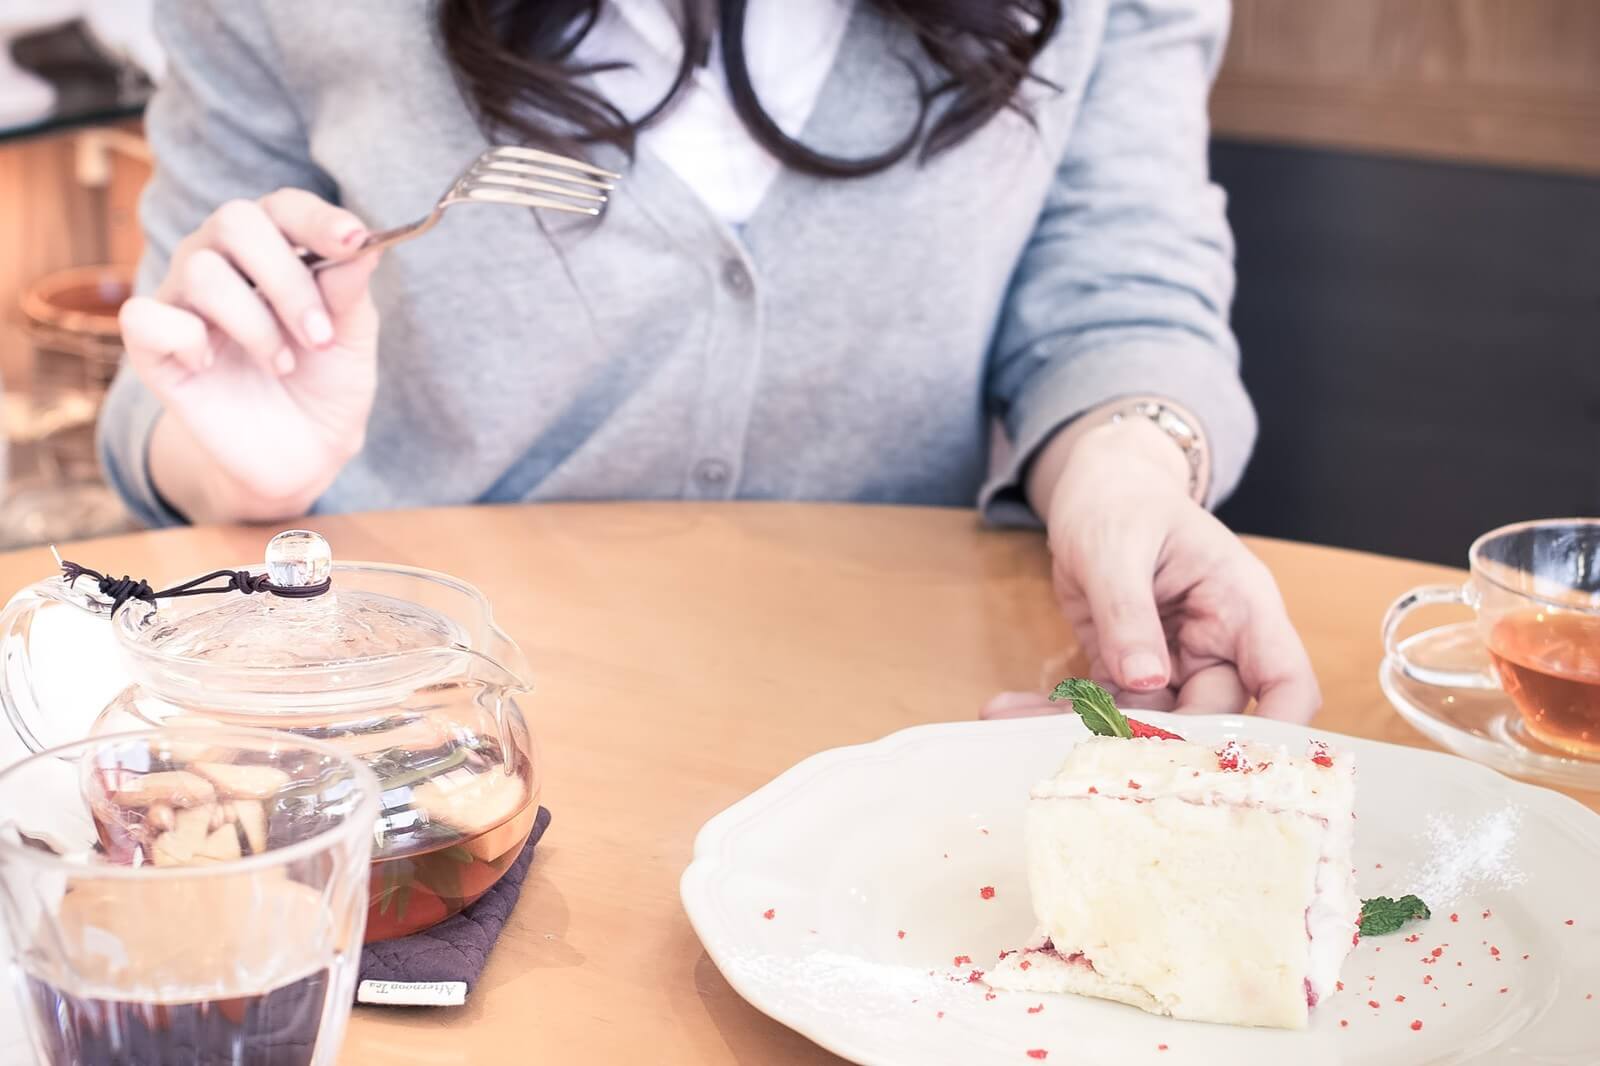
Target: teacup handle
[{"x": 1423, "y": 595}]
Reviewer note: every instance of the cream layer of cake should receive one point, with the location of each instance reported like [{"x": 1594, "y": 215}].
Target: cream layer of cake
[{"x": 1203, "y": 883}]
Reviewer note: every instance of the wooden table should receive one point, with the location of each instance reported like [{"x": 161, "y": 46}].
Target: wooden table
[{"x": 685, "y": 655}]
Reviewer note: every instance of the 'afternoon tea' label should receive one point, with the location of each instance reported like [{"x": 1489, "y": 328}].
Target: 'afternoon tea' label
[{"x": 413, "y": 993}]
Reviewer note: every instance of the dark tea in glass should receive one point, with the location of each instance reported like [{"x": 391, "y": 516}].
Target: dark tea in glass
[{"x": 187, "y": 897}]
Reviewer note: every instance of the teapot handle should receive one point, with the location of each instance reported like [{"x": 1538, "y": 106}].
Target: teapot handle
[{"x": 17, "y": 691}]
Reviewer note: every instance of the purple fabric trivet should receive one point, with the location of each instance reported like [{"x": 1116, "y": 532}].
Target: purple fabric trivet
[{"x": 439, "y": 966}]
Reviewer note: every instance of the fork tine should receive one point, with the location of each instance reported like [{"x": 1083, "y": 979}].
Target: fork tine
[
  {"x": 534, "y": 155},
  {"x": 515, "y": 181},
  {"x": 506, "y": 166},
  {"x": 522, "y": 199}
]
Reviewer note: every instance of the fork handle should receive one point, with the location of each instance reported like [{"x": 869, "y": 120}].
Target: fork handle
[{"x": 374, "y": 242}]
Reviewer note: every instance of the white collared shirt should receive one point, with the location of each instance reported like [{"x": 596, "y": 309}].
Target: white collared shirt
[{"x": 790, "y": 48}]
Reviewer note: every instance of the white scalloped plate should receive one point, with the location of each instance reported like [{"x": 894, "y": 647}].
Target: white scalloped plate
[{"x": 855, "y": 845}]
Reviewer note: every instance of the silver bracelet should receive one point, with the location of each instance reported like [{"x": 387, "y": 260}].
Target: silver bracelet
[{"x": 1177, "y": 426}]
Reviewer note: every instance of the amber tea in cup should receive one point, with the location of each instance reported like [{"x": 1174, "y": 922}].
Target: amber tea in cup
[
  {"x": 186, "y": 897},
  {"x": 1535, "y": 588}
]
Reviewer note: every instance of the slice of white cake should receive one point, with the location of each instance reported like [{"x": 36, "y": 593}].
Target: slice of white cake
[{"x": 1203, "y": 883}]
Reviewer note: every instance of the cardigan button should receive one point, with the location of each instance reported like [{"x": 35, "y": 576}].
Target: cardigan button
[{"x": 737, "y": 278}]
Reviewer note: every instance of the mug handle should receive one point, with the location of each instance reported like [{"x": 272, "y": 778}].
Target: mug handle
[{"x": 1463, "y": 594}]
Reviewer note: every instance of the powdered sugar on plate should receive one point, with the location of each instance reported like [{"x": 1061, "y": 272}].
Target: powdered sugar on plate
[{"x": 1469, "y": 856}]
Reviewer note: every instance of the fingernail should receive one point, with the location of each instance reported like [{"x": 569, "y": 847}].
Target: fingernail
[
  {"x": 352, "y": 237},
  {"x": 284, "y": 363},
  {"x": 319, "y": 329},
  {"x": 1141, "y": 669}
]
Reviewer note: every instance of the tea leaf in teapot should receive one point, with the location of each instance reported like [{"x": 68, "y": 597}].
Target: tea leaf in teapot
[{"x": 396, "y": 890}]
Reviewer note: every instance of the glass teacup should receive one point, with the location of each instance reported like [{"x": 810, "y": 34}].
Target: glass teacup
[
  {"x": 186, "y": 897},
  {"x": 1535, "y": 588}
]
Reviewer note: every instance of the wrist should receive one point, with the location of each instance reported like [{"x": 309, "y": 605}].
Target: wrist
[
  {"x": 196, "y": 485},
  {"x": 1131, "y": 450}
]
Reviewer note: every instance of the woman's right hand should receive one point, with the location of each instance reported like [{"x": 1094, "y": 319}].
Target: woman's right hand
[{"x": 266, "y": 372}]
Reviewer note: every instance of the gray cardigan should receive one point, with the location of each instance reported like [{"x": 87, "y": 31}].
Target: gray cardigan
[{"x": 854, "y": 342}]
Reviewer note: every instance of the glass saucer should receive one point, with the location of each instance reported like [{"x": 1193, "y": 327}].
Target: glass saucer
[{"x": 1481, "y": 724}]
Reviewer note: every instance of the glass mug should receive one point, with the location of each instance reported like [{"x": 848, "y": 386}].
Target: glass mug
[
  {"x": 1535, "y": 588},
  {"x": 186, "y": 897}
]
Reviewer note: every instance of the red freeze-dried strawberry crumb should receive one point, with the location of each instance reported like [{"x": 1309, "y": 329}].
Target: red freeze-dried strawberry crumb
[
  {"x": 962, "y": 960},
  {"x": 982, "y": 830},
  {"x": 1569, "y": 921},
  {"x": 1372, "y": 1003},
  {"x": 1494, "y": 950},
  {"x": 1455, "y": 917},
  {"x": 1319, "y": 754},
  {"x": 939, "y": 1015},
  {"x": 900, "y": 933},
  {"x": 988, "y": 996},
  {"x": 1037, "y": 1053},
  {"x": 1161, "y": 1047},
  {"x": 1416, "y": 1025},
  {"x": 1232, "y": 759},
  {"x": 1344, "y": 1023},
  {"x": 1427, "y": 979},
  {"x": 769, "y": 914},
  {"x": 1525, "y": 958},
  {"x": 987, "y": 892},
  {"x": 1436, "y": 952},
  {"x": 1488, "y": 913},
  {"x": 1140, "y": 729},
  {"x": 1505, "y": 990},
  {"x": 1003, "y": 954},
  {"x": 1377, "y": 866},
  {"x": 1036, "y": 1010},
  {"x": 1093, "y": 791},
  {"x": 1355, "y": 938},
  {"x": 1589, "y": 995},
  {"x": 974, "y": 977},
  {"x": 1134, "y": 784},
  {"x": 1413, "y": 938},
  {"x": 1400, "y": 998},
  {"x": 1338, "y": 986},
  {"x": 1024, "y": 965}
]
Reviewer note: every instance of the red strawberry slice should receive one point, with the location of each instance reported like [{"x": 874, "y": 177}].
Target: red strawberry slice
[{"x": 1140, "y": 729}]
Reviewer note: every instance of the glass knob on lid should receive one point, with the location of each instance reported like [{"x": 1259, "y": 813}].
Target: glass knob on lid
[{"x": 299, "y": 558}]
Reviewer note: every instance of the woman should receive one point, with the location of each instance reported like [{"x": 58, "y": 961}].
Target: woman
[{"x": 851, "y": 233}]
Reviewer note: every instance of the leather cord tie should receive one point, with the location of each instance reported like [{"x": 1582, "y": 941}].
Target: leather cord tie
[{"x": 119, "y": 590}]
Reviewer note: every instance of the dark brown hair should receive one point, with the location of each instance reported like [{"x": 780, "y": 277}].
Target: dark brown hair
[{"x": 514, "y": 62}]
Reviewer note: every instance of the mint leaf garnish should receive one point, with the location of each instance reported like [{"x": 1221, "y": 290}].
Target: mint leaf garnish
[
  {"x": 1384, "y": 915},
  {"x": 1095, "y": 706}
]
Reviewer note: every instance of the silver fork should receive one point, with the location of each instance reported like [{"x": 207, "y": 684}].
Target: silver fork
[{"x": 520, "y": 177}]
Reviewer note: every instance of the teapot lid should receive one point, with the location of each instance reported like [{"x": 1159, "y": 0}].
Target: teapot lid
[{"x": 303, "y": 610}]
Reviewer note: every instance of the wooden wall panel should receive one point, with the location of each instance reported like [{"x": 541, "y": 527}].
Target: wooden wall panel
[
  {"x": 49, "y": 222},
  {"x": 1508, "y": 82}
]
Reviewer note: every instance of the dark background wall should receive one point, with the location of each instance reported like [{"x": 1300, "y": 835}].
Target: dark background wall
[{"x": 1422, "y": 341}]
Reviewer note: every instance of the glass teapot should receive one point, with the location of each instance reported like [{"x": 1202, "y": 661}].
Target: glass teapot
[{"x": 401, "y": 667}]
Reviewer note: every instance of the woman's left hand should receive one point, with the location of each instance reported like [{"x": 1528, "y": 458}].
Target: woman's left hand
[{"x": 1173, "y": 611}]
